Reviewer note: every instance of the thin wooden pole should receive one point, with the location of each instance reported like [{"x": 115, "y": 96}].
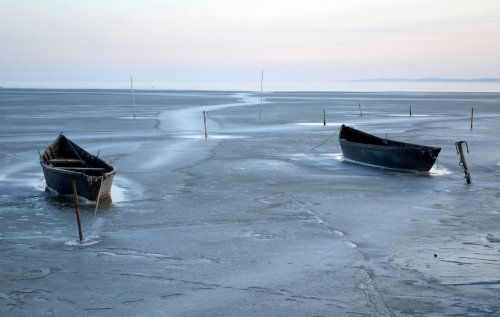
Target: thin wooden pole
[
  {"x": 460, "y": 150},
  {"x": 132, "y": 92},
  {"x": 261, "y": 80},
  {"x": 77, "y": 209},
  {"x": 205, "y": 123},
  {"x": 471, "y": 117},
  {"x": 324, "y": 117},
  {"x": 360, "y": 113},
  {"x": 410, "y": 110}
]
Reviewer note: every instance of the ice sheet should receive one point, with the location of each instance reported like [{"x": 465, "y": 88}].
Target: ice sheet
[{"x": 263, "y": 218}]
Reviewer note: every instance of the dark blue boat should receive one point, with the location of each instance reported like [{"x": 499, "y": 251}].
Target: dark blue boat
[
  {"x": 365, "y": 148},
  {"x": 64, "y": 161}
]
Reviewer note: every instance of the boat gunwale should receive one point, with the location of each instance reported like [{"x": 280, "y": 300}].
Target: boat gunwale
[
  {"x": 384, "y": 147},
  {"x": 71, "y": 172},
  {"x": 395, "y": 144}
]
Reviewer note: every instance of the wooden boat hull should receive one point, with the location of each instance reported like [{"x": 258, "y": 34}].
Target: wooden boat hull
[
  {"x": 90, "y": 187},
  {"x": 365, "y": 148},
  {"x": 64, "y": 162}
]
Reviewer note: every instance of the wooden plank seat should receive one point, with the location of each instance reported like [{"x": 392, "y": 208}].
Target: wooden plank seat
[
  {"x": 88, "y": 169},
  {"x": 64, "y": 160}
]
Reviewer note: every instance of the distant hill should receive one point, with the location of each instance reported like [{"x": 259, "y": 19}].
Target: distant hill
[{"x": 437, "y": 80}]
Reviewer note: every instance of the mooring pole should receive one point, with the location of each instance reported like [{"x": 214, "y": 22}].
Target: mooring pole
[
  {"x": 410, "y": 110},
  {"x": 261, "y": 80},
  {"x": 205, "y": 123},
  {"x": 132, "y": 92},
  {"x": 360, "y": 113},
  {"x": 460, "y": 151},
  {"x": 324, "y": 117},
  {"x": 77, "y": 209},
  {"x": 471, "y": 117}
]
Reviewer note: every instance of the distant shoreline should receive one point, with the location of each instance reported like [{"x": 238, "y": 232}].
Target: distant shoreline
[
  {"x": 389, "y": 85},
  {"x": 433, "y": 80}
]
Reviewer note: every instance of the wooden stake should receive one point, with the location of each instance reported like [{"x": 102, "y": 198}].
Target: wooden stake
[
  {"x": 460, "y": 151},
  {"x": 360, "y": 113},
  {"x": 205, "y": 123},
  {"x": 324, "y": 117},
  {"x": 77, "y": 209},
  {"x": 261, "y": 80},
  {"x": 410, "y": 110},
  {"x": 471, "y": 117},
  {"x": 132, "y": 92}
]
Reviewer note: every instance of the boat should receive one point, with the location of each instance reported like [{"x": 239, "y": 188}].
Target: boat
[
  {"x": 365, "y": 148},
  {"x": 64, "y": 162}
]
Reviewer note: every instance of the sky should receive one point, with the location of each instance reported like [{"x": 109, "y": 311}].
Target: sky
[{"x": 232, "y": 40}]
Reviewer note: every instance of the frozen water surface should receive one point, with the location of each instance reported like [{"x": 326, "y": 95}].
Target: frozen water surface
[{"x": 263, "y": 218}]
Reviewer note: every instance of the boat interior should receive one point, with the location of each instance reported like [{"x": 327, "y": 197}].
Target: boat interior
[
  {"x": 66, "y": 156},
  {"x": 356, "y": 136}
]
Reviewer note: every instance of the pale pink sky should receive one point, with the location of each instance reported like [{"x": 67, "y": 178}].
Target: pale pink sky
[{"x": 231, "y": 40}]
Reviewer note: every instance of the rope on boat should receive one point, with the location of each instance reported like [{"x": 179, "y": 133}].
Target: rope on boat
[
  {"x": 314, "y": 148},
  {"x": 441, "y": 168},
  {"x": 71, "y": 146},
  {"x": 96, "y": 204},
  {"x": 446, "y": 174}
]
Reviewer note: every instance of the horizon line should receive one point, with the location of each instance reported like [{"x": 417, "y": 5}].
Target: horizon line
[{"x": 353, "y": 85}]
